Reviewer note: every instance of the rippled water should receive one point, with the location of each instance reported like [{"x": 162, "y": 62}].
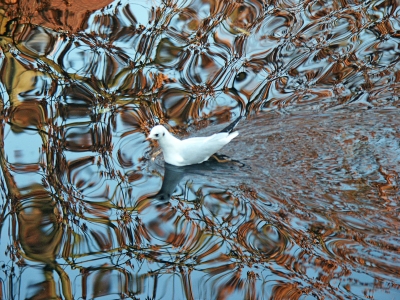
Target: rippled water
[{"x": 308, "y": 207}]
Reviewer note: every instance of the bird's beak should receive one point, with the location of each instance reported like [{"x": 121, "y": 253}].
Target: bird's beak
[{"x": 148, "y": 139}]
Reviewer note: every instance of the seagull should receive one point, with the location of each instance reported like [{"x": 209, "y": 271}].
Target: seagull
[{"x": 193, "y": 150}]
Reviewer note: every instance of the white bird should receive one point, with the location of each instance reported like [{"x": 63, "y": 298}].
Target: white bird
[{"x": 193, "y": 150}]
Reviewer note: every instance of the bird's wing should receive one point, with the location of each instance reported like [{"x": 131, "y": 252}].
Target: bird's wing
[
  {"x": 198, "y": 149},
  {"x": 231, "y": 126}
]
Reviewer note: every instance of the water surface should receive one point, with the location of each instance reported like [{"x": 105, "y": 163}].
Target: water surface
[{"x": 307, "y": 208}]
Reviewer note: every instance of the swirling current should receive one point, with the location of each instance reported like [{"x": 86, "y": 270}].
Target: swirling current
[{"x": 306, "y": 202}]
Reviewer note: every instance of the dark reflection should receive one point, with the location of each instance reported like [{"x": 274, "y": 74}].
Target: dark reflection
[{"x": 174, "y": 174}]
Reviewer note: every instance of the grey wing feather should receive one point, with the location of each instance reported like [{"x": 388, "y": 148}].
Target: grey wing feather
[{"x": 200, "y": 149}]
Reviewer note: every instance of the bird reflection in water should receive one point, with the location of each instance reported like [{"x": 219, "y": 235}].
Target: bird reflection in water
[{"x": 174, "y": 174}]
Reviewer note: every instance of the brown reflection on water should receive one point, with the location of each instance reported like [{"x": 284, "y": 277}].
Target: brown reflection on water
[
  {"x": 309, "y": 207},
  {"x": 54, "y": 14}
]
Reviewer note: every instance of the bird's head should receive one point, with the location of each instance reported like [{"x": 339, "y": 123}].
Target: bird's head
[{"x": 157, "y": 133}]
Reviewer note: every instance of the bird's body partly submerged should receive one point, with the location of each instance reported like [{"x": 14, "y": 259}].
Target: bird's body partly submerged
[{"x": 193, "y": 150}]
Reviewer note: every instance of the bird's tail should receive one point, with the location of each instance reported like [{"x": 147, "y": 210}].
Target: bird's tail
[{"x": 233, "y": 135}]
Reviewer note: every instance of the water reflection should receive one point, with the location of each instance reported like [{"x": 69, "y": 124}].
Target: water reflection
[
  {"x": 172, "y": 177},
  {"x": 313, "y": 212}
]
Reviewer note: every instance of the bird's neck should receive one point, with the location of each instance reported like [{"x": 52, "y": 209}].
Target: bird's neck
[{"x": 168, "y": 140}]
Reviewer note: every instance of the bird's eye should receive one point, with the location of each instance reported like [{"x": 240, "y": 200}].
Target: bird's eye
[{"x": 156, "y": 134}]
